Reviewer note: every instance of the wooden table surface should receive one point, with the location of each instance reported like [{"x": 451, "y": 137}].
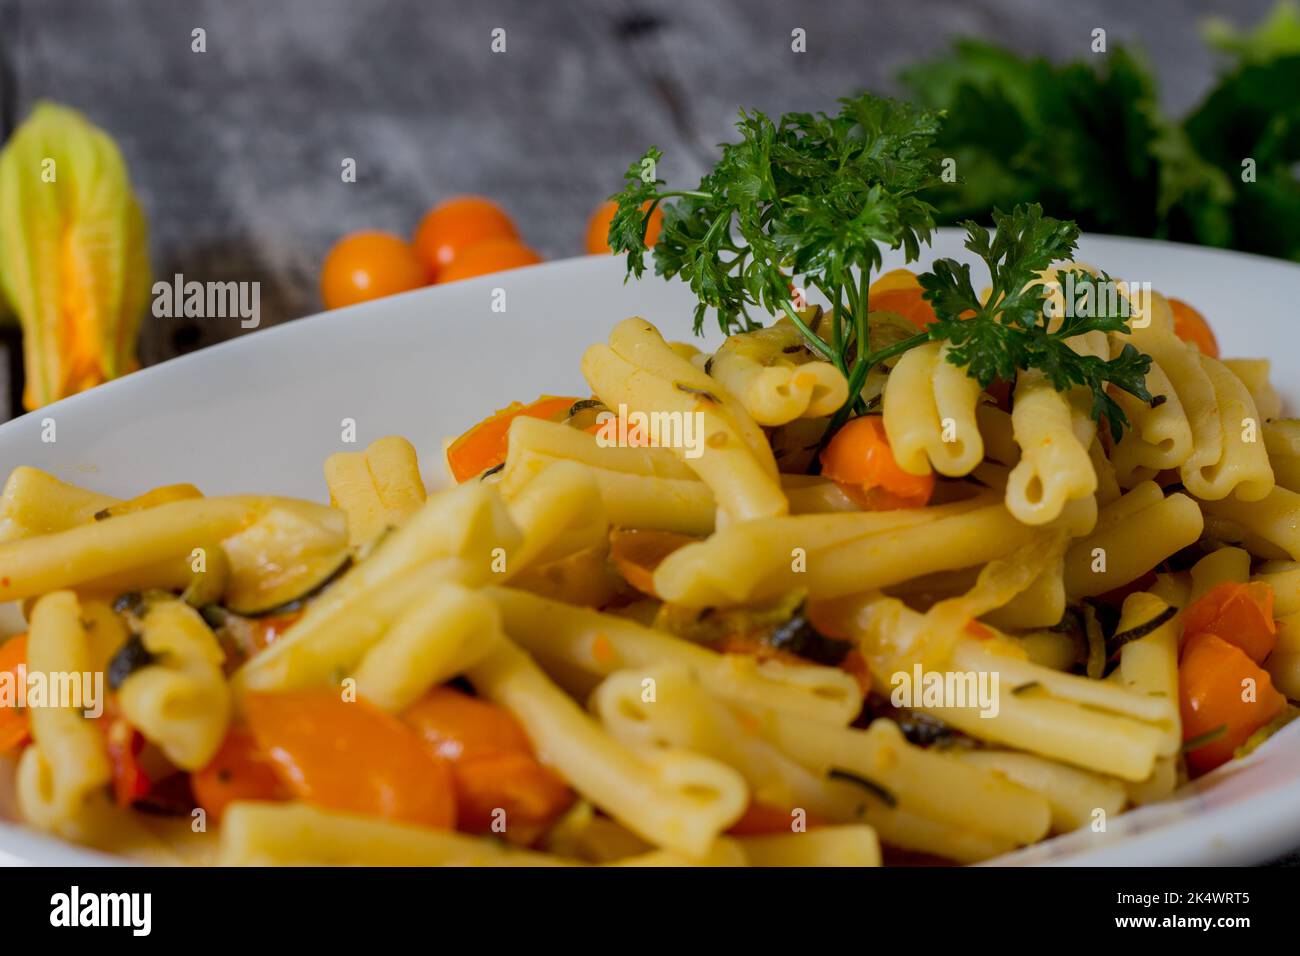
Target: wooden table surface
[{"x": 236, "y": 152}]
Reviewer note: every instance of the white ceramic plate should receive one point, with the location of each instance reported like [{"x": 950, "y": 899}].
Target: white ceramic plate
[{"x": 262, "y": 412}]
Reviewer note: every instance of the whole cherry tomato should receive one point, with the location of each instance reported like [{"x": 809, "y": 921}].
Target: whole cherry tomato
[
  {"x": 369, "y": 265},
  {"x": 450, "y": 228},
  {"x": 491, "y": 255}
]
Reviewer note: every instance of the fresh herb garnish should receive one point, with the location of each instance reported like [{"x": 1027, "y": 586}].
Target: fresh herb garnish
[
  {"x": 812, "y": 195},
  {"x": 1141, "y": 630},
  {"x": 817, "y": 197},
  {"x": 1013, "y": 328}
]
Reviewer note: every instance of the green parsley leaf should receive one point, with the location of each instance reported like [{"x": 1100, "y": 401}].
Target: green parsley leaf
[{"x": 1013, "y": 328}]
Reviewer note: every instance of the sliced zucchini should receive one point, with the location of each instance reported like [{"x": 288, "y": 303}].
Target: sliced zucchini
[
  {"x": 582, "y": 414},
  {"x": 286, "y": 555}
]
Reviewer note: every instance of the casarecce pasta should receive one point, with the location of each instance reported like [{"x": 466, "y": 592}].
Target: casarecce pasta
[{"x": 691, "y": 619}]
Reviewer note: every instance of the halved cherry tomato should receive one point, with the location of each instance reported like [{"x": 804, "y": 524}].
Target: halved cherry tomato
[
  {"x": 351, "y": 756},
  {"x": 860, "y": 460},
  {"x": 1190, "y": 326},
  {"x": 1241, "y": 614},
  {"x": 239, "y": 771},
  {"x": 369, "y": 265},
  {"x": 492, "y": 764},
  {"x": 598, "y": 226},
  {"x": 15, "y": 726},
  {"x": 484, "y": 446},
  {"x": 459, "y": 726},
  {"x": 453, "y": 226},
  {"x": 907, "y": 302},
  {"x": 1218, "y": 699},
  {"x": 491, "y": 255}
]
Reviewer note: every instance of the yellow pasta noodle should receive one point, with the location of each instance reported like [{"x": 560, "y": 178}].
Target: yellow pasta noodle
[
  {"x": 758, "y": 368},
  {"x": 1242, "y": 468},
  {"x": 1133, "y": 535},
  {"x": 930, "y": 413},
  {"x": 674, "y": 799},
  {"x": 1274, "y": 519},
  {"x": 437, "y": 637},
  {"x": 1073, "y": 795},
  {"x": 561, "y": 635},
  {"x": 180, "y": 701},
  {"x": 1159, "y": 436},
  {"x": 1054, "y": 466},
  {"x": 1254, "y": 374},
  {"x": 34, "y": 502},
  {"x": 378, "y": 488},
  {"x": 66, "y": 762},
  {"x": 459, "y": 534},
  {"x": 639, "y": 372},
  {"x": 854, "y": 845},
  {"x": 73, "y": 556}
]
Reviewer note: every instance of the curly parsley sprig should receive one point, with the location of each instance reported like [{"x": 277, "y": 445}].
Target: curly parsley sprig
[
  {"x": 818, "y": 196},
  {"x": 811, "y": 195},
  {"x": 1015, "y": 327}
]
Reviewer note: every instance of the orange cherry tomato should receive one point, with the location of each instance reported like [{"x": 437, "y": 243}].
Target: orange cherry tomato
[
  {"x": 238, "y": 771},
  {"x": 351, "y": 756},
  {"x": 14, "y": 723},
  {"x": 598, "y": 226},
  {"x": 1241, "y": 614},
  {"x": 1190, "y": 326},
  {"x": 369, "y": 265},
  {"x": 492, "y": 764},
  {"x": 458, "y": 726},
  {"x": 491, "y": 255},
  {"x": 453, "y": 226},
  {"x": 763, "y": 819},
  {"x": 484, "y": 446},
  {"x": 1213, "y": 681},
  {"x": 860, "y": 460},
  {"x": 907, "y": 301}
]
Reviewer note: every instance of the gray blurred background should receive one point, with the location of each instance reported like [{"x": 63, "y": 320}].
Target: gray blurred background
[{"x": 236, "y": 152}]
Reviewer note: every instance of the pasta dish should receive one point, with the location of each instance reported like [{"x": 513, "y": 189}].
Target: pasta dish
[
  {"x": 602, "y": 653},
  {"x": 921, "y": 581}
]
